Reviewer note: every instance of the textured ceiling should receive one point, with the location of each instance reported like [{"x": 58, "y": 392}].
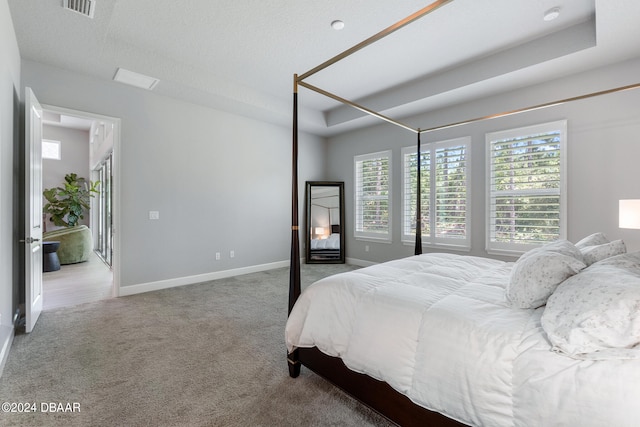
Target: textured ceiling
[{"x": 241, "y": 55}]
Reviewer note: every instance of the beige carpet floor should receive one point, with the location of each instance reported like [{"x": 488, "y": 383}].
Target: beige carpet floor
[{"x": 210, "y": 354}]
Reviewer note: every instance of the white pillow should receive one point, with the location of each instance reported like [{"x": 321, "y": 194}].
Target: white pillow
[
  {"x": 597, "y": 253},
  {"x": 592, "y": 240},
  {"x": 561, "y": 246},
  {"x": 596, "y": 313},
  {"x": 539, "y": 271}
]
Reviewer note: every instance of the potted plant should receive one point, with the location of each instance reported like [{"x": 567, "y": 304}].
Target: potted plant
[{"x": 66, "y": 205}]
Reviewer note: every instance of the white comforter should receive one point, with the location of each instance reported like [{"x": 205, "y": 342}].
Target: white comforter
[
  {"x": 333, "y": 242},
  {"x": 438, "y": 328}
]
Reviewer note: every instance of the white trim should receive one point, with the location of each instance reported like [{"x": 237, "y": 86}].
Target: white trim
[
  {"x": 115, "y": 207},
  {"x": 374, "y": 240},
  {"x": 388, "y": 237},
  {"x": 431, "y": 240},
  {"x": 115, "y": 170},
  {"x": 437, "y": 246},
  {"x": 507, "y": 253},
  {"x": 515, "y": 249},
  {"x": 6, "y": 338},
  {"x": 198, "y": 278}
]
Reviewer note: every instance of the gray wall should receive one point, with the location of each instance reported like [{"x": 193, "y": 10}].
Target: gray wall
[
  {"x": 74, "y": 158},
  {"x": 603, "y": 153},
  {"x": 9, "y": 92},
  {"x": 220, "y": 181}
]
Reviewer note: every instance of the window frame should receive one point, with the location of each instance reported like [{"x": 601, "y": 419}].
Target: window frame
[
  {"x": 431, "y": 239},
  {"x": 510, "y": 248},
  {"x": 359, "y": 234}
]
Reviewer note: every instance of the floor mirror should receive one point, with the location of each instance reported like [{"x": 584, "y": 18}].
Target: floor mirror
[{"x": 324, "y": 222}]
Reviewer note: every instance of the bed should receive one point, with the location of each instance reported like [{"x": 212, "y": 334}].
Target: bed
[
  {"x": 455, "y": 339},
  {"x": 326, "y": 249},
  {"x": 538, "y": 375}
]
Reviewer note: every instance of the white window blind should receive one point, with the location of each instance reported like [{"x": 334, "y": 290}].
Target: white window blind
[
  {"x": 526, "y": 187},
  {"x": 409, "y": 196},
  {"x": 373, "y": 195},
  {"x": 444, "y": 190}
]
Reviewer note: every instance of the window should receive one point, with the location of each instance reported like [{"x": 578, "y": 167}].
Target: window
[
  {"x": 50, "y": 149},
  {"x": 526, "y": 188},
  {"x": 444, "y": 190},
  {"x": 373, "y": 196}
]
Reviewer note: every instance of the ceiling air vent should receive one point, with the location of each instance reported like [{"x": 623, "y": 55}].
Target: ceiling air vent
[
  {"x": 83, "y": 7},
  {"x": 135, "y": 79}
]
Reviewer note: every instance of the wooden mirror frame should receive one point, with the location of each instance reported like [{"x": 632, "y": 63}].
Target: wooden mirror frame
[{"x": 326, "y": 258}]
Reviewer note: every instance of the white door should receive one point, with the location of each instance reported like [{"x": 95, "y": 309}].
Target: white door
[{"x": 33, "y": 209}]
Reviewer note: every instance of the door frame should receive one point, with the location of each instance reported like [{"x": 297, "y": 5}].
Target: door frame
[{"x": 116, "y": 185}]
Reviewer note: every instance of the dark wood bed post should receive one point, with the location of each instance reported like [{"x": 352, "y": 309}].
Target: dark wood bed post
[
  {"x": 418, "y": 249},
  {"x": 293, "y": 359}
]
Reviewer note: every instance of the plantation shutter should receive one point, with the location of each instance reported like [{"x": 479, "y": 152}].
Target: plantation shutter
[
  {"x": 373, "y": 195},
  {"x": 526, "y": 177},
  {"x": 451, "y": 193},
  {"x": 444, "y": 193},
  {"x": 409, "y": 186}
]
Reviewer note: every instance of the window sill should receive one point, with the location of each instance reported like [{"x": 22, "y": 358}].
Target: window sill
[
  {"x": 498, "y": 252},
  {"x": 460, "y": 248},
  {"x": 373, "y": 240}
]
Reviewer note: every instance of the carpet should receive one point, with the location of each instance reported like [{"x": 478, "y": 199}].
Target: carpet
[{"x": 210, "y": 354}]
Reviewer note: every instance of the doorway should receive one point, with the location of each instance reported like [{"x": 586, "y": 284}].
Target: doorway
[{"x": 88, "y": 145}]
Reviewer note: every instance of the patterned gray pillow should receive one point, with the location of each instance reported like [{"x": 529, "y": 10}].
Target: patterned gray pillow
[
  {"x": 592, "y": 240},
  {"x": 597, "y": 253},
  {"x": 596, "y": 313},
  {"x": 539, "y": 271}
]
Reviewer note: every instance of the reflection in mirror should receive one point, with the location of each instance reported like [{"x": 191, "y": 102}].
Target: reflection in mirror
[{"x": 325, "y": 222}]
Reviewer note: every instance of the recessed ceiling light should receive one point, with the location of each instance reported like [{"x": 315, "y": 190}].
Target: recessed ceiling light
[
  {"x": 337, "y": 24},
  {"x": 551, "y": 14},
  {"x": 135, "y": 79}
]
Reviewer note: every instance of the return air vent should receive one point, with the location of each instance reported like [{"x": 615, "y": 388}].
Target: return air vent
[{"x": 83, "y": 7}]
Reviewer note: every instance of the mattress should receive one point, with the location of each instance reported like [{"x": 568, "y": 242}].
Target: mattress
[{"x": 439, "y": 329}]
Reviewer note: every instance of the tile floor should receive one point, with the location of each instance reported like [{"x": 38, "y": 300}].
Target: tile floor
[{"x": 77, "y": 283}]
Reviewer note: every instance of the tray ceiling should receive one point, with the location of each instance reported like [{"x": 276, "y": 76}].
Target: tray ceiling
[{"x": 240, "y": 56}]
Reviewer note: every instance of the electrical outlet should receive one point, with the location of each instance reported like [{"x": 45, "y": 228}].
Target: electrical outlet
[
  {"x": 366, "y": 248},
  {"x": 232, "y": 254},
  {"x": 217, "y": 256}
]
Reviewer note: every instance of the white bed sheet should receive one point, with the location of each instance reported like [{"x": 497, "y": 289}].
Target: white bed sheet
[{"x": 438, "y": 328}]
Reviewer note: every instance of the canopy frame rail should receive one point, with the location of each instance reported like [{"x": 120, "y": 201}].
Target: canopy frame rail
[
  {"x": 534, "y": 107},
  {"x": 356, "y": 106},
  {"x": 392, "y": 28}
]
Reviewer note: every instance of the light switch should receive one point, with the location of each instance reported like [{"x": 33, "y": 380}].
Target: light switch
[{"x": 154, "y": 215}]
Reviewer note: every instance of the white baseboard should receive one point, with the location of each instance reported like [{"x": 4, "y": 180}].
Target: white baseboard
[
  {"x": 6, "y": 338},
  {"x": 199, "y": 278}
]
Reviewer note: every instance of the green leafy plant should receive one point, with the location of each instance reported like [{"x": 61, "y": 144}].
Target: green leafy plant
[{"x": 66, "y": 205}]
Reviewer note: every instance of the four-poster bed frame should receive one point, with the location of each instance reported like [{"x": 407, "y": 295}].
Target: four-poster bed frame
[{"x": 375, "y": 394}]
